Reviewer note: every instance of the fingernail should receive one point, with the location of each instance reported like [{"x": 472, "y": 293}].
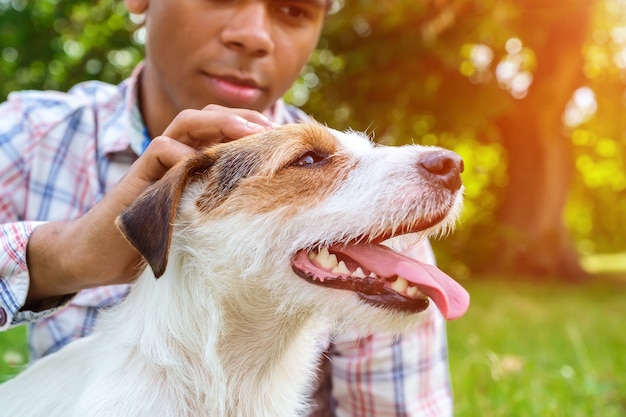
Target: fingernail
[{"x": 270, "y": 122}]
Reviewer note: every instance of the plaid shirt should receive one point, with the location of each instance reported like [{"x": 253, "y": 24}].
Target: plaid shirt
[{"x": 59, "y": 154}]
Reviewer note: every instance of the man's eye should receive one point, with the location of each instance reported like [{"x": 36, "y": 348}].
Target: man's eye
[
  {"x": 295, "y": 12},
  {"x": 310, "y": 159}
]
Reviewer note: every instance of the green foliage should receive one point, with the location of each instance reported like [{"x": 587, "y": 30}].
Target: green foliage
[
  {"x": 598, "y": 204},
  {"x": 53, "y": 44}
]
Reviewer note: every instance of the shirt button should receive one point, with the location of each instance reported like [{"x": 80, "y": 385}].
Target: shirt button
[{"x": 3, "y": 317}]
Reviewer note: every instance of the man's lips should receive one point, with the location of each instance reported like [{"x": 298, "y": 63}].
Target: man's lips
[
  {"x": 241, "y": 81},
  {"x": 235, "y": 90}
]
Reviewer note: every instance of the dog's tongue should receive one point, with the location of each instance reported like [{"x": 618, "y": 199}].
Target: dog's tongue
[{"x": 450, "y": 297}]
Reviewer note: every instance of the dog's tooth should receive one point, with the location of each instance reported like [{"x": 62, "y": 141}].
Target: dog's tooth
[
  {"x": 312, "y": 255},
  {"x": 341, "y": 269},
  {"x": 400, "y": 285},
  {"x": 358, "y": 273},
  {"x": 411, "y": 292},
  {"x": 373, "y": 275},
  {"x": 325, "y": 259}
]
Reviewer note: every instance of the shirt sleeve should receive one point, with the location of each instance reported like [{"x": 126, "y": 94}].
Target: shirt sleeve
[
  {"x": 386, "y": 374},
  {"x": 14, "y": 278}
]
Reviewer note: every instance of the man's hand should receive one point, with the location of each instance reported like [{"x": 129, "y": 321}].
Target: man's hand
[{"x": 68, "y": 256}]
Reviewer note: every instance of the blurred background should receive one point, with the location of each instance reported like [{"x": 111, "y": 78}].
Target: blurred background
[{"x": 532, "y": 94}]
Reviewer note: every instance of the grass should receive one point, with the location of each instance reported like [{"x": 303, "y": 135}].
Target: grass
[
  {"x": 13, "y": 352},
  {"x": 522, "y": 350},
  {"x": 544, "y": 350}
]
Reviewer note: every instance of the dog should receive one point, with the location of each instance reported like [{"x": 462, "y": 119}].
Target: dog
[{"x": 263, "y": 247}]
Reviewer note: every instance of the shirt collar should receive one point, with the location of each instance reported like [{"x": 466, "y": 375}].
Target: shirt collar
[
  {"x": 140, "y": 139},
  {"x": 121, "y": 127}
]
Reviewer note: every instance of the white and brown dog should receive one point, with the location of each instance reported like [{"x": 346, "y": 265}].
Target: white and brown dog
[{"x": 264, "y": 246}]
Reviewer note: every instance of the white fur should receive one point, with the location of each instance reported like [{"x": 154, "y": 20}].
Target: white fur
[{"x": 229, "y": 329}]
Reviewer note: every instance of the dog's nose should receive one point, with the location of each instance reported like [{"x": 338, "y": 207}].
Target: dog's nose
[{"x": 443, "y": 166}]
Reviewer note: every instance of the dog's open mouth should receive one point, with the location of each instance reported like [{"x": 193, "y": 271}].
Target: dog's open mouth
[{"x": 382, "y": 277}]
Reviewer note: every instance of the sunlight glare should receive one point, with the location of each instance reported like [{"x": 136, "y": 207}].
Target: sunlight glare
[
  {"x": 481, "y": 57},
  {"x": 513, "y": 46},
  {"x": 581, "y": 107}
]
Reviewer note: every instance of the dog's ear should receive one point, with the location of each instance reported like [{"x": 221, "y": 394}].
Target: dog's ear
[{"x": 147, "y": 222}]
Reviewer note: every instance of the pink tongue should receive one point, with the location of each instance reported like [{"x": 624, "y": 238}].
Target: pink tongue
[{"x": 450, "y": 297}]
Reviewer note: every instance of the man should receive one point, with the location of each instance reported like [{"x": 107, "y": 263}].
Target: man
[{"x": 214, "y": 70}]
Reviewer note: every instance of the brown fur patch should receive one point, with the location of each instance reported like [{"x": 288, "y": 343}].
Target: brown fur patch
[{"x": 262, "y": 169}]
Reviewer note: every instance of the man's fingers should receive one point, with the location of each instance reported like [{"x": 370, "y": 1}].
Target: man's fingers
[
  {"x": 214, "y": 124},
  {"x": 162, "y": 154}
]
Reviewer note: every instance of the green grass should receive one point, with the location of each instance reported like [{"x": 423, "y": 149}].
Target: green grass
[
  {"x": 523, "y": 350},
  {"x": 543, "y": 350},
  {"x": 13, "y": 352}
]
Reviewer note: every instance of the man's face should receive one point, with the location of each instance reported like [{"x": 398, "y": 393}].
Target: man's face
[{"x": 235, "y": 53}]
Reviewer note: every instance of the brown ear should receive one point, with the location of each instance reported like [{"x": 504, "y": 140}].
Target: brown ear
[{"x": 147, "y": 222}]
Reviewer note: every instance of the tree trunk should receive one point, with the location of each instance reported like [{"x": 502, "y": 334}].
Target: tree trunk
[{"x": 534, "y": 239}]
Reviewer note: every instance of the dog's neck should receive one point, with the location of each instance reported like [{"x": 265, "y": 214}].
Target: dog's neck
[{"x": 240, "y": 348}]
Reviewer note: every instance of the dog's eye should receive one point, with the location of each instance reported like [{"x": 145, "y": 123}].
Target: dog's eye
[{"x": 310, "y": 159}]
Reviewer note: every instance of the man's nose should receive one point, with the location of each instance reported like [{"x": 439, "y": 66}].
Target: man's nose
[{"x": 248, "y": 29}]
